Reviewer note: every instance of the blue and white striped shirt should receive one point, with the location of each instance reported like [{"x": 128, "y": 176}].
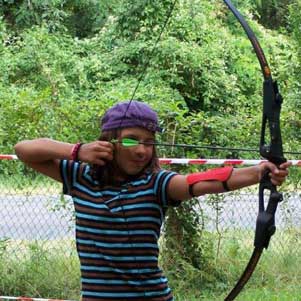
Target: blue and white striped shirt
[{"x": 117, "y": 232}]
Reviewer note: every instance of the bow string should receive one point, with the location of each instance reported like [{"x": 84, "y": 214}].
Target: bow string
[{"x": 146, "y": 65}]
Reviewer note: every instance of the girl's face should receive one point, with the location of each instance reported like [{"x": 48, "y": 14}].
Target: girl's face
[{"x": 131, "y": 160}]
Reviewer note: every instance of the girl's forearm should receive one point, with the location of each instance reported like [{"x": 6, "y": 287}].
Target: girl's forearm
[
  {"x": 243, "y": 177},
  {"x": 43, "y": 149}
]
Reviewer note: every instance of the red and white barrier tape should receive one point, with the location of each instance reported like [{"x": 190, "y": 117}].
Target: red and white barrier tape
[
  {"x": 169, "y": 161},
  {"x": 219, "y": 161},
  {"x": 8, "y": 157},
  {"x": 28, "y": 299}
]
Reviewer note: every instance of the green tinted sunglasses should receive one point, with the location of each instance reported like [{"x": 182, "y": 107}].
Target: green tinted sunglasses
[{"x": 129, "y": 142}]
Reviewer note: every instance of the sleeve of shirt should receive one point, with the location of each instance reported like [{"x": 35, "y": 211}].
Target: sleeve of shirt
[
  {"x": 161, "y": 184},
  {"x": 70, "y": 171}
]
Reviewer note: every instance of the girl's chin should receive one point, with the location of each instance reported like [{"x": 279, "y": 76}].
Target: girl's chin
[{"x": 130, "y": 172}]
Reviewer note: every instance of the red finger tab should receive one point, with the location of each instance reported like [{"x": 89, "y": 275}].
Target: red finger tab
[{"x": 217, "y": 174}]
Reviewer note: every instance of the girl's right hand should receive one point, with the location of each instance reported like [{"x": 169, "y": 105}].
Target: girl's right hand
[{"x": 97, "y": 152}]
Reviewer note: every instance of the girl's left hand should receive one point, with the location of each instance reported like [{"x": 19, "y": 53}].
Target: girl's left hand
[{"x": 277, "y": 174}]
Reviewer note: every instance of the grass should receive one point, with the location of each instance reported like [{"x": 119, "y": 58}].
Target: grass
[
  {"x": 276, "y": 278},
  {"x": 38, "y": 269},
  {"x": 256, "y": 294},
  {"x": 50, "y": 269}
]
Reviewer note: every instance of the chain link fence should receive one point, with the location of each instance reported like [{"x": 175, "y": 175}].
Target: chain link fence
[{"x": 35, "y": 216}]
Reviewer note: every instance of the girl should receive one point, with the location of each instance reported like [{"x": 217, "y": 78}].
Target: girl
[{"x": 120, "y": 197}]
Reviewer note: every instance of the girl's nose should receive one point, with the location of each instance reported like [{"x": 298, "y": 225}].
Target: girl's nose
[{"x": 142, "y": 149}]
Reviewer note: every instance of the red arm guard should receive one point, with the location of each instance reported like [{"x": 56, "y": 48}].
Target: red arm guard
[{"x": 217, "y": 174}]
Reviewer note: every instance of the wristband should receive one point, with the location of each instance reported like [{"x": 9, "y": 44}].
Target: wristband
[{"x": 75, "y": 151}]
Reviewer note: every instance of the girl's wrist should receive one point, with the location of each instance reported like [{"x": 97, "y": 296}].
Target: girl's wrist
[{"x": 75, "y": 151}]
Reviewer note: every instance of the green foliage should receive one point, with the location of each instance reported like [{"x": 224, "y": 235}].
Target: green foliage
[
  {"x": 295, "y": 26},
  {"x": 273, "y": 13},
  {"x": 80, "y": 18},
  {"x": 23, "y": 14},
  {"x": 207, "y": 71},
  {"x": 191, "y": 263},
  {"x": 295, "y": 20},
  {"x": 295, "y": 58},
  {"x": 142, "y": 19},
  {"x": 41, "y": 272}
]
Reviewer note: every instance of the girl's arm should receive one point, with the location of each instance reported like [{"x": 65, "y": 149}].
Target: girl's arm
[
  {"x": 241, "y": 177},
  {"x": 44, "y": 154}
]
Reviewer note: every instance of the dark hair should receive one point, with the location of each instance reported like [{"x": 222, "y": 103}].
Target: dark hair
[{"x": 105, "y": 174}]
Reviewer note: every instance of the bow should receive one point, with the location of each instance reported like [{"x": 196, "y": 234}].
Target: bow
[{"x": 272, "y": 100}]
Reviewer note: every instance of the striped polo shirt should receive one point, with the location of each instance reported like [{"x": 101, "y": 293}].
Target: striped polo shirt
[{"x": 117, "y": 232}]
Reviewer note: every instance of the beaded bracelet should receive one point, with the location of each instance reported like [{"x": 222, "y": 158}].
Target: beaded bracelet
[{"x": 75, "y": 151}]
